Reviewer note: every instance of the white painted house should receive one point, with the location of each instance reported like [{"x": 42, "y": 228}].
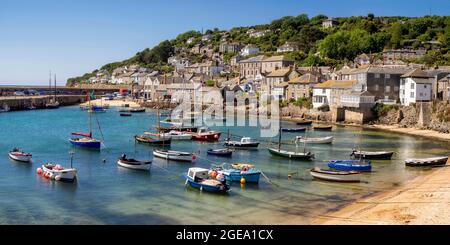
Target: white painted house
[
  {"x": 330, "y": 92},
  {"x": 416, "y": 86},
  {"x": 249, "y": 50}
]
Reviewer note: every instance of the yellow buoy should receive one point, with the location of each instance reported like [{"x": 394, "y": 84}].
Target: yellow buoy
[{"x": 243, "y": 181}]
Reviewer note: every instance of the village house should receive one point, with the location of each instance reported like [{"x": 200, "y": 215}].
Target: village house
[
  {"x": 230, "y": 47},
  {"x": 443, "y": 89},
  {"x": 363, "y": 59},
  {"x": 382, "y": 82},
  {"x": 301, "y": 86},
  {"x": 329, "y": 92},
  {"x": 190, "y": 40},
  {"x": 287, "y": 47},
  {"x": 251, "y": 67},
  {"x": 250, "y": 50},
  {"x": 207, "y": 37},
  {"x": 257, "y": 34},
  {"x": 416, "y": 86},
  {"x": 273, "y": 63},
  {"x": 209, "y": 68},
  {"x": 330, "y": 23},
  {"x": 277, "y": 77}
]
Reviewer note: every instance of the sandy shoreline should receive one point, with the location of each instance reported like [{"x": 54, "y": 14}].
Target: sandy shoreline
[
  {"x": 422, "y": 200},
  {"x": 112, "y": 103}
]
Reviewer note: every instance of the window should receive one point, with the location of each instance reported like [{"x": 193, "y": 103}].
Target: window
[
  {"x": 425, "y": 86},
  {"x": 421, "y": 94},
  {"x": 387, "y": 76},
  {"x": 376, "y": 87},
  {"x": 412, "y": 85},
  {"x": 377, "y": 75},
  {"x": 323, "y": 91},
  {"x": 412, "y": 95},
  {"x": 388, "y": 89}
]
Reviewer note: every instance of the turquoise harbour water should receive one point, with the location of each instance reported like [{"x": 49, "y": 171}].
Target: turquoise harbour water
[{"x": 108, "y": 194}]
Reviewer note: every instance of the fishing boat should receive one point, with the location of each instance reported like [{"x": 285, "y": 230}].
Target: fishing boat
[
  {"x": 220, "y": 152},
  {"x": 317, "y": 140},
  {"x": 250, "y": 175},
  {"x": 19, "y": 155},
  {"x": 97, "y": 109},
  {"x": 323, "y": 128},
  {"x": 304, "y": 123},
  {"x": 178, "y": 135},
  {"x": 432, "y": 161},
  {"x": 199, "y": 178},
  {"x": 125, "y": 115},
  {"x": 242, "y": 166},
  {"x": 181, "y": 129},
  {"x": 337, "y": 176},
  {"x": 204, "y": 134},
  {"x": 380, "y": 155},
  {"x": 293, "y": 130},
  {"x": 137, "y": 110},
  {"x": 350, "y": 165},
  {"x": 153, "y": 140},
  {"x": 175, "y": 155},
  {"x": 305, "y": 155},
  {"x": 244, "y": 143},
  {"x": 57, "y": 172},
  {"x": 173, "y": 123},
  {"x": 133, "y": 164}
]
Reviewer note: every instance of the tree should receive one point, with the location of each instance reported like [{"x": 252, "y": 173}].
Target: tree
[
  {"x": 345, "y": 44},
  {"x": 396, "y": 32}
]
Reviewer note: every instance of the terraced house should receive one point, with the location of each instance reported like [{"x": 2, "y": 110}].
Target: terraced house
[{"x": 301, "y": 87}]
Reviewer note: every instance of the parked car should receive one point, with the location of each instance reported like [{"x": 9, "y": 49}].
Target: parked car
[{"x": 19, "y": 93}]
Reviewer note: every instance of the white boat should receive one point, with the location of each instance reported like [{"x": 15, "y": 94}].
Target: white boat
[
  {"x": 317, "y": 140},
  {"x": 133, "y": 164},
  {"x": 337, "y": 176},
  {"x": 20, "y": 156},
  {"x": 57, "y": 172},
  {"x": 178, "y": 135},
  {"x": 244, "y": 143},
  {"x": 175, "y": 155},
  {"x": 160, "y": 136}
]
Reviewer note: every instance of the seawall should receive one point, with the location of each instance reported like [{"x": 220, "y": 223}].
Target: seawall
[{"x": 22, "y": 103}]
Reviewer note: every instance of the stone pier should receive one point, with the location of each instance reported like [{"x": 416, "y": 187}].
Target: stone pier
[{"x": 22, "y": 103}]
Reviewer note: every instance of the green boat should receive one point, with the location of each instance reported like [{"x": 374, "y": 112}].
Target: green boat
[{"x": 291, "y": 154}]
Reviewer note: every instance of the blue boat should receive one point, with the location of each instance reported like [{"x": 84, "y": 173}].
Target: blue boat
[
  {"x": 235, "y": 175},
  {"x": 220, "y": 152},
  {"x": 293, "y": 130},
  {"x": 199, "y": 178},
  {"x": 86, "y": 142},
  {"x": 350, "y": 165}
]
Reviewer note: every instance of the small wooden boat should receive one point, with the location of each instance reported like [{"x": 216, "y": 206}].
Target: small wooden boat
[
  {"x": 178, "y": 135},
  {"x": 125, "y": 114},
  {"x": 249, "y": 174},
  {"x": 317, "y": 140},
  {"x": 432, "y": 161},
  {"x": 57, "y": 172},
  {"x": 380, "y": 155},
  {"x": 204, "y": 134},
  {"x": 244, "y": 143},
  {"x": 304, "y": 123},
  {"x": 350, "y": 165},
  {"x": 19, "y": 155},
  {"x": 291, "y": 154},
  {"x": 293, "y": 130},
  {"x": 220, "y": 152},
  {"x": 199, "y": 178},
  {"x": 337, "y": 176},
  {"x": 175, "y": 155},
  {"x": 145, "y": 139},
  {"x": 137, "y": 110},
  {"x": 133, "y": 164},
  {"x": 323, "y": 128}
]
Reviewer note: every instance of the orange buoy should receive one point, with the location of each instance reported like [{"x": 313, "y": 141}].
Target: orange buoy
[
  {"x": 214, "y": 174},
  {"x": 39, "y": 171},
  {"x": 243, "y": 181}
]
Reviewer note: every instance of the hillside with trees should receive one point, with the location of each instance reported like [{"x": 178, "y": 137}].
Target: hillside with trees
[{"x": 317, "y": 45}]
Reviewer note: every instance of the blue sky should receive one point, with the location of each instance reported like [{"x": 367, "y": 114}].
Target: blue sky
[{"x": 74, "y": 37}]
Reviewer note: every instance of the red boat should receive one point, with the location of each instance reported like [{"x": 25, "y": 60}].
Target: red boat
[{"x": 204, "y": 134}]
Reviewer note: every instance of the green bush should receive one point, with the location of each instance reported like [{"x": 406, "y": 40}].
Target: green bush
[
  {"x": 210, "y": 83},
  {"x": 303, "y": 102},
  {"x": 381, "y": 109}
]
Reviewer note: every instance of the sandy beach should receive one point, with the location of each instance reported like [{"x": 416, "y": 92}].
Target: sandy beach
[
  {"x": 424, "y": 200},
  {"x": 112, "y": 103}
]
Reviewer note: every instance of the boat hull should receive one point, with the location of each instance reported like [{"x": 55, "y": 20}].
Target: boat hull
[
  {"x": 89, "y": 144},
  {"x": 20, "y": 157},
  {"x": 212, "y": 137},
  {"x": 222, "y": 153},
  {"x": 351, "y": 177},
  {"x": 293, "y": 130},
  {"x": 373, "y": 155},
  {"x": 435, "y": 161},
  {"x": 174, "y": 156},
  {"x": 68, "y": 175},
  {"x": 237, "y": 176},
  {"x": 142, "y": 166},
  {"x": 151, "y": 141},
  {"x": 304, "y": 123},
  {"x": 208, "y": 188},
  {"x": 350, "y": 165},
  {"x": 324, "y": 140},
  {"x": 323, "y": 128},
  {"x": 239, "y": 145},
  {"x": 291, "y": 155}
]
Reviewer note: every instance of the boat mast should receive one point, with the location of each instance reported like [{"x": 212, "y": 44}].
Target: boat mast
[
  {"x": 50, "y": 82},
  {"x": 55, "y": 88},
  {"x": 71, "y": 159},
  {"x": 279, "y": 139},
  {"x": 90, "y": 114}
]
